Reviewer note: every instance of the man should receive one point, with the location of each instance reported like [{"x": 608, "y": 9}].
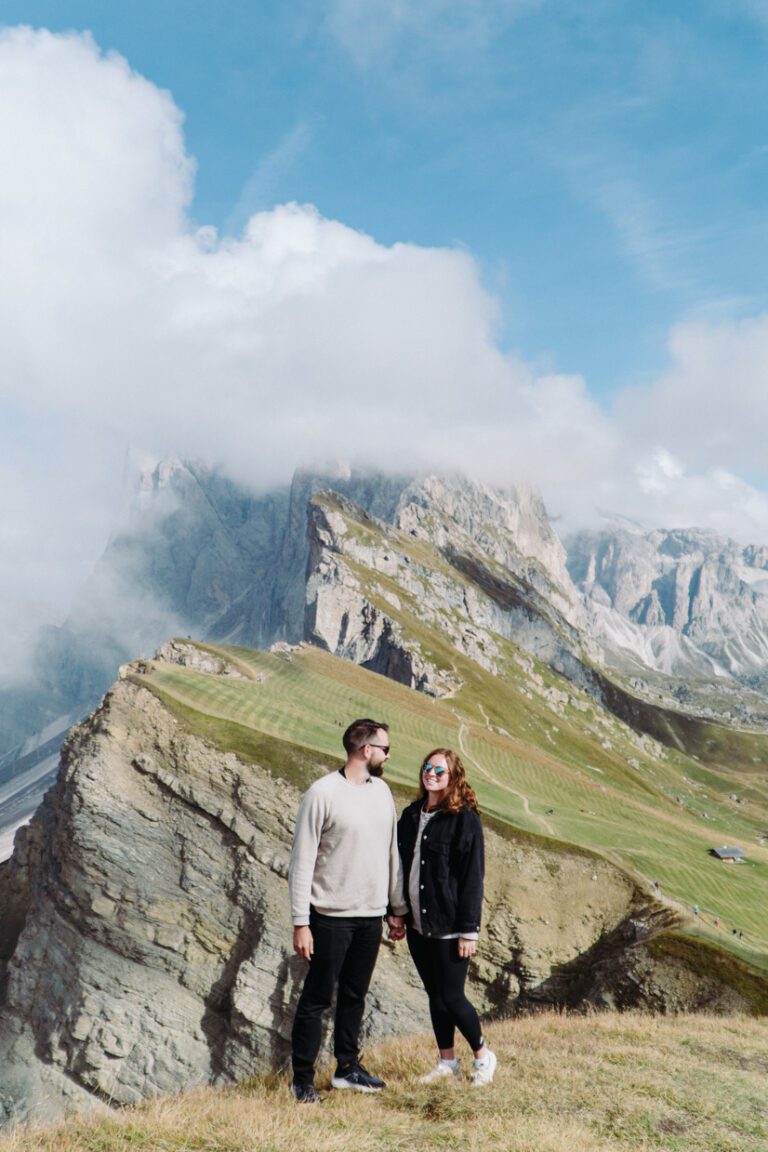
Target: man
[{"x": 344, "y": 875}]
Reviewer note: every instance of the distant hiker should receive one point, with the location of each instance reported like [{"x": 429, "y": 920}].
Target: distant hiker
[
  {"x": 657, "y": 885},
  {"x": 441, "y": 846},
  {"x": 695, "y": 909},
  {"x": 344, "y": 876}
]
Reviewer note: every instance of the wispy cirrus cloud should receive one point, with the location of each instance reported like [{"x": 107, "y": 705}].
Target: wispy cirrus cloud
[
  {"x": 262, "y": 188},
  {"x": 658, "y": 249},
  {"x": 379, "y": 33}
]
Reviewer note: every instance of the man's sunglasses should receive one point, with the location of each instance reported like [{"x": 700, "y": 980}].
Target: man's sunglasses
[
  {"x": 437, "y": 769},
  {"x": 384, "y": 747}
]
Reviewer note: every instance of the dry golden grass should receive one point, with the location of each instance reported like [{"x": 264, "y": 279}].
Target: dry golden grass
[{"x": 564, "y": 1084}]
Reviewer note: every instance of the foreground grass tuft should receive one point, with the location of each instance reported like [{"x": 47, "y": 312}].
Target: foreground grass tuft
[{"x": 564, "y": 1084}]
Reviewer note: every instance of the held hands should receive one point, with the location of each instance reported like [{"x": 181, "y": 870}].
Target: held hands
[
  {"x": 303, "y": 943},
  {"x": 467, "y": 948},
  {"x": 396, "y": 927}
]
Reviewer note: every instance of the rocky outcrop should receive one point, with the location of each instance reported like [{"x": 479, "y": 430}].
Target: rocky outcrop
[
  {"x": 685, "y": 603},
  {"x": 510, "y": 528},
  {"x": 144, "y": 920},
  {"x": 371, "y": 587},
  {"x": 353, "y": 615},
  {"x": 144, "y": 931}
]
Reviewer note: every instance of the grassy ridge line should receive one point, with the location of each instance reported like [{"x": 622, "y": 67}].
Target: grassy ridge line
[
  {"x": 599, "y": 803},
  {"x": 608, "y": 1083}
]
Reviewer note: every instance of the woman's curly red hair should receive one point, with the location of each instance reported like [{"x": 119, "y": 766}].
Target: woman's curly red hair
[{"x": 458, "y": 794}]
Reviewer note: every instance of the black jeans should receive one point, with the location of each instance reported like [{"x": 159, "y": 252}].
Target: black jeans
[
  {"x": 443, "y": 973},
  {"x": 345, "y": 951}
]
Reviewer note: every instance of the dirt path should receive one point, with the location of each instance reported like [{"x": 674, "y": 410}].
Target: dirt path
[{"x": 467, "y": 755}]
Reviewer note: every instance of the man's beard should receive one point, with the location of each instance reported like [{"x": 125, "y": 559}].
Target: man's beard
[{"x": 377, "y": 771}]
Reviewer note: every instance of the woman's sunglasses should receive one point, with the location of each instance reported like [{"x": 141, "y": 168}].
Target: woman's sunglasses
[{"x": 436, "y": 768}]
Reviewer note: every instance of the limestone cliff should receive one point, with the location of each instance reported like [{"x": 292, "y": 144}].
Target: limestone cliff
[
  {"x": 689, "y": 603},
  {"x": 454, "y": 563}
]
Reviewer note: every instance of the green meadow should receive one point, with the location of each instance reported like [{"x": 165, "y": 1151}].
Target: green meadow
[{"x": 542, "y": 756}]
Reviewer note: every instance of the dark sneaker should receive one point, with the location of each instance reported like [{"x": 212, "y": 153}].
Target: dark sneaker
[
  {"x": 355, "y": 1076},
  {"x": 305, "y": 1094}
]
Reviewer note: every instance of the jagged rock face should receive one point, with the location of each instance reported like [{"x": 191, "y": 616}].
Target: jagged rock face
[
  {"x": 686, "y": 603},
  {"x": 366, "y": 580},
  {"x": 340, "y": 615},
  {"x": 376, "y": 494},
  {"x": 144, "y": 926},
  {"x": 509, "y": 527}
]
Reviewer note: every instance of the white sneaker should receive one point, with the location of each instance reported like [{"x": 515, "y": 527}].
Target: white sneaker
[
  {"x": 483, "y": 1070},
  {"x": 441, "y": 1071}
]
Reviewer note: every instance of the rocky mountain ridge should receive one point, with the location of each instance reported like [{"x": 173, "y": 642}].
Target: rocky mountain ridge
[
  {"x": 691, "y": 605},
  {"x": 200, "y": 555},
  {"x": 144, "y": 931},
  {"x": 680, "y": 619},
  {"x": 369, "y": 585}
]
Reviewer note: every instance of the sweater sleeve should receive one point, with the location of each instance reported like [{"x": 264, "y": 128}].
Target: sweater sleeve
[
  {"x": 397, "y": 902},
  {"x": 306, "y": 842}
]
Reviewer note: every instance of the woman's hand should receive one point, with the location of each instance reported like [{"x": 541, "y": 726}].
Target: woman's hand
[
  {"x": 396, "y": 926},
  {"x": 466, "y": 948}
]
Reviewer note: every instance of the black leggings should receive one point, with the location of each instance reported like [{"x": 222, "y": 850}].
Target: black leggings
[{"x": 443, "y": 973}]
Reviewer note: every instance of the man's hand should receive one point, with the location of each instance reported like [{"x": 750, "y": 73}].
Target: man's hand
[
  {"x": 396, "y": 927},
  {"x": 303, "y": 942},
  {"x": 467, "y": 948}
]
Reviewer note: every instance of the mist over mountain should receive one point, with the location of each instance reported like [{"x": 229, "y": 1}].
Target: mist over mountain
[{"x": 197, "y": 554}]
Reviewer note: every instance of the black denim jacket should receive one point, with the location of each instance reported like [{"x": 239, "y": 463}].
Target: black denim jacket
[{"x": 452, "y": 868}]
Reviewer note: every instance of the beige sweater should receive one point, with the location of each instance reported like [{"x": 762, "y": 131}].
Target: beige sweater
[{"x": 345, "y": 860}]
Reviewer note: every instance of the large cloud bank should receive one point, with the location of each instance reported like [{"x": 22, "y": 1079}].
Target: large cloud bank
[{"x": 125, "y": 324}]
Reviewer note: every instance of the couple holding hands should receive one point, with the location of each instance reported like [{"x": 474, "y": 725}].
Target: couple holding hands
[{"x": 353, "y": 863}]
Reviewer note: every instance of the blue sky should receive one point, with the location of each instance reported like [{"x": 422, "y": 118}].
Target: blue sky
[
  {"x": 525, "y": 238},
  {"x": 605, "y": 162}
]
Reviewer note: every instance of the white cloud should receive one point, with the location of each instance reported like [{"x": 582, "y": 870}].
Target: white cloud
[
  {"x": 660, "y": 473},
  {"x": 302, "y": 338},
  {"x": 711, "y": 406}
]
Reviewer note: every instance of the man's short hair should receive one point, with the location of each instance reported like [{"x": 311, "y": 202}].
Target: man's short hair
[{"x": 361, "y": 732}]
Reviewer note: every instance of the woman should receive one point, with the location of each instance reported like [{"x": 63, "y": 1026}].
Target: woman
[{"x": 441, "y": 846}]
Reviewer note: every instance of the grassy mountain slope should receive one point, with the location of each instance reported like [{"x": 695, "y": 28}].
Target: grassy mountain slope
[
  {"x": 543, "y": 757},
  {"x": 608, "y": 1083}
]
